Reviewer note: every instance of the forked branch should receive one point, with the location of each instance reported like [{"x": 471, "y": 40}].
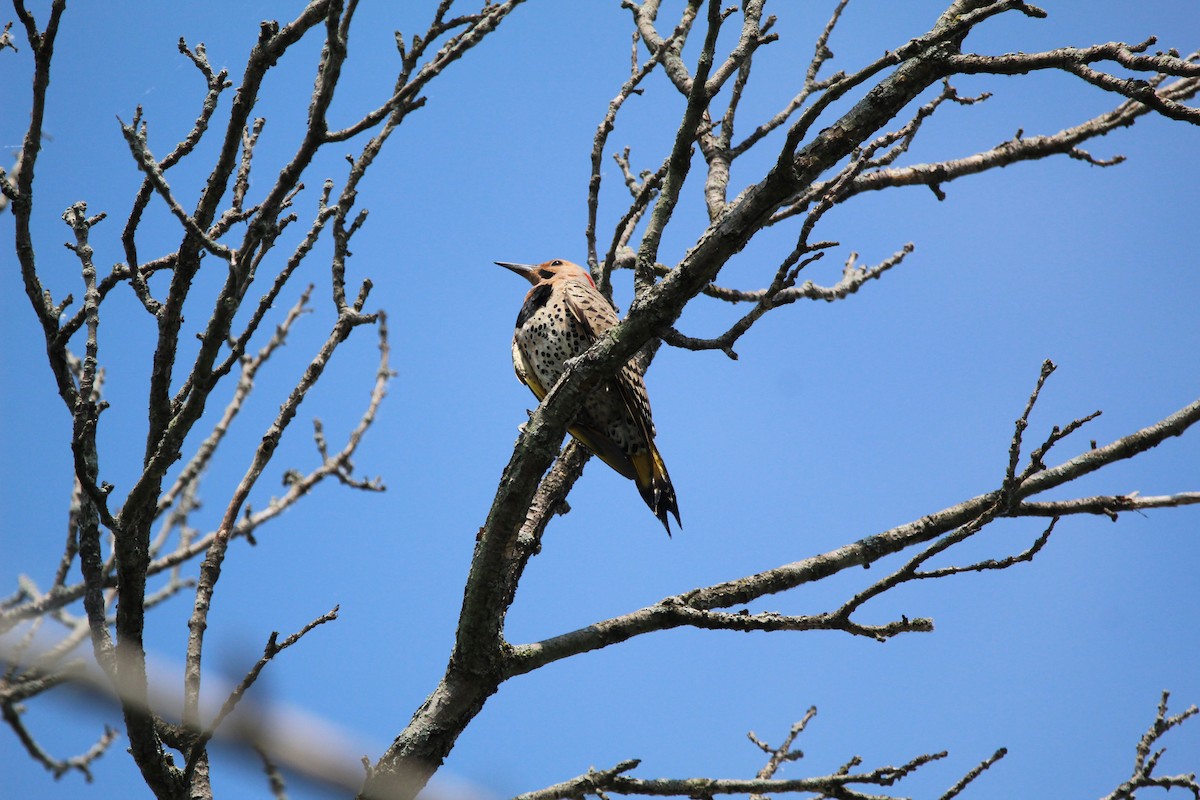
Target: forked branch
[
  {"x": 843, "y": 783},
  {"x": 701, "y": 607}
]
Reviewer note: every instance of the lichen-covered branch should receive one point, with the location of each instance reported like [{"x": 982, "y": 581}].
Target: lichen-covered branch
[
  {"x": 224, "y": 219},
  {"x": 1146, "y": 758},
  {"x": 839, "y": 135},
  {"x": 844, "y": 783},
  {"x": 700, "y": 607},
  {"x": 481, "y": 659}
]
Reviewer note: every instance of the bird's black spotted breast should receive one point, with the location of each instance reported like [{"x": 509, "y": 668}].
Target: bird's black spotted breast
[{"x": 536, "y": 299}]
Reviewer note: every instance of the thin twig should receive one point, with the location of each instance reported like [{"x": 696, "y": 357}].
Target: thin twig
[
  {"x": 272, "y": 649},
  {"x": 1145, "y": 761}
]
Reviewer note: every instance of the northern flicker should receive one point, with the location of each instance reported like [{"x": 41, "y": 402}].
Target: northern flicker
[{"x": 562, "y": 315}]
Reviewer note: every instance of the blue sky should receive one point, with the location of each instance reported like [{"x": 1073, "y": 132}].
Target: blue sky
[{"x": 838, "y": 420}]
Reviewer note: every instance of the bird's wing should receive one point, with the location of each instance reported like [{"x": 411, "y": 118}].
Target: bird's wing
[
  {"x": 596, "y": 316},
  {"x": 646, "y": 468},
  {"x": 590, "y": 309}
]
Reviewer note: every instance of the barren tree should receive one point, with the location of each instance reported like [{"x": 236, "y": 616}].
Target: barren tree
[{"x": 724, "y": 180}]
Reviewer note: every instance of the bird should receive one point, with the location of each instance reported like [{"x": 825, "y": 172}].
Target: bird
[{"x": 563, "y": 314}]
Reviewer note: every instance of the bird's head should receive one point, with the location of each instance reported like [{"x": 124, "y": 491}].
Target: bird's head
[{"x": 558, "y": 269}]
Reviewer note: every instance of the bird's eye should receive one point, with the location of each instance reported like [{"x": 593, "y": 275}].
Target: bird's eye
[{"x": 556, "y": 263}]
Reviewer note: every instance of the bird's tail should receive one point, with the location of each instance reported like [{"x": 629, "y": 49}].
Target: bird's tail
[{"x": 654, "y": 484}]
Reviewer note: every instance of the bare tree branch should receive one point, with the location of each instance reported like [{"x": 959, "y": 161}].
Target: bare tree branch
[
  {"x": 778, "y": 756},
  {"x": 841, "y": 134},
  {"x": 615, "y": 781},
  {"x": 1107, "y": 505},
  {"x": 317, "y": 751},
  {"x": 57, "y": 767},
  {"x": 272, "y": 649},
  {"x": 1019, "y": 148},
  {"x": 956, "y": 523},
  {"x": 1146, "y": 762},
  {"x": 841, "y": 784},
  {"x": 480, "y": 660},
  {"x": 967, "y": 779},
  {"x": 606, "y": 126},
  {"x": 122, "y": 575}
]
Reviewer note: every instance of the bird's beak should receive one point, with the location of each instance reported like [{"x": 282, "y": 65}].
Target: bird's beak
[{"x": 526, "y": 271}]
